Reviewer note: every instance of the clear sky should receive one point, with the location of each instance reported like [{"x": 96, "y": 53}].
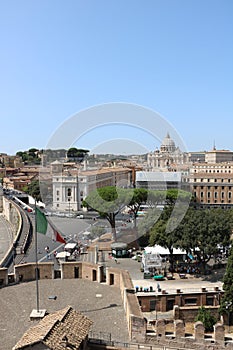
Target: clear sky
[{"x": 60, "y": 57}]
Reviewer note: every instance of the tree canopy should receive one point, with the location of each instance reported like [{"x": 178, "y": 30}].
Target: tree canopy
[
  {"x": 138, "y": 196},
  {"x": 206, "y": 318},
  {"x": 199, "y": 233},
  {"x": 227, "y": 300},
  {"x": 33, "y": 189},
  {"x": 30, "y": 157},
  {"x": 108, "y": 201},
  {"x": 77, "y": 153}
]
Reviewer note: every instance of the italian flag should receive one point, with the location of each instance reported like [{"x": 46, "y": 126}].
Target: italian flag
[{"x": 45, "y": 227}]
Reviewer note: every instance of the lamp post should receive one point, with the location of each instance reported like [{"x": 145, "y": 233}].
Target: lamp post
[
  {"x": 227, "y": 306},
  {"x": 69, "y": 204}
]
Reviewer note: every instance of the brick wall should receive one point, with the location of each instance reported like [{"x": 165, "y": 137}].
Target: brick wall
[{"x": 188, "y": 314}]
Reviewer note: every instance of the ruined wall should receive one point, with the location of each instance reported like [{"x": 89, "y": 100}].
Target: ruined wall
[{"x": 197, "y": 340}]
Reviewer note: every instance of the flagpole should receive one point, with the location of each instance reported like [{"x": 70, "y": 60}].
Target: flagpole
[{"x": 36, "y": 260}]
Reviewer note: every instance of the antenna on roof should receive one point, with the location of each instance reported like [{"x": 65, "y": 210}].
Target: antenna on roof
[{"x": 214, "y": 148}]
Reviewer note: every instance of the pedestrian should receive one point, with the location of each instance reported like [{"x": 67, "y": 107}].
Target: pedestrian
[{"x": 115, "y": 260}]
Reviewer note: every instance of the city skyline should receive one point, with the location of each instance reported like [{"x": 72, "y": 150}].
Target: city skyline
[{"x": 173, "y": 57}]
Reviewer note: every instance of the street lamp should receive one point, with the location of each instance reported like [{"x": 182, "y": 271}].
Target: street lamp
[
  {"x": 69, "y": 193},
  {"x": 227, "y": 306},
  {"x": 69, "y": 205}
]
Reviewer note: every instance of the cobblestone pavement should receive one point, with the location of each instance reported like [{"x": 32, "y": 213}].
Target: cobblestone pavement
[{"x": 17, "y": 302}]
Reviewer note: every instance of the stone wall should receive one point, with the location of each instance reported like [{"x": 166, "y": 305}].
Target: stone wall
[
  {"x": 137, "y": 326},
  {"x": 68, "y": 269},
  {"x": 12, "y": 215},
  {"x": 3, "y": 277},
  {"x": 179, "y": 339},
  {"x": 26, "y": 272},
  {"x": 164, "y": 301},
  {"x": 189, "y": 313}
]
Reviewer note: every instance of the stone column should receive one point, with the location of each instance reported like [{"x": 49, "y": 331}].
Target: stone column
[
  {"x": 176, "y": 312},
  {"x": 62, "y": 271},
  {"x": 179, "y": 329},
  {"x": 203, "y": 296},
  {"x": 160, "y": 328},
  {"x": 219, "y": 334},
  {"x": 199, "y": 331},
  {"x": 107, "y": 276},
  {"x": 99, "y": 273}
]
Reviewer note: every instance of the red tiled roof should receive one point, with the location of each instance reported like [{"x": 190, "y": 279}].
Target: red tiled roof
[{"x": 54, "y": 328}]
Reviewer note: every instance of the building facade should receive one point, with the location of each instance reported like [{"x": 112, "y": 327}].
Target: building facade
[
  {"x": 212, "y": 183},
  {"x": 158, "y": 180},
  {"x": 69, "y": 190},
  {"x": 167, "y": 157}
]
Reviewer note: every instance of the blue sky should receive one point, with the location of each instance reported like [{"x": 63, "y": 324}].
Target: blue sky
[{"x": 61, "y": 57}]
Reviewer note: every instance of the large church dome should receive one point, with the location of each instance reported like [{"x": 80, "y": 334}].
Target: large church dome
[{"x": 168, "y": 145}]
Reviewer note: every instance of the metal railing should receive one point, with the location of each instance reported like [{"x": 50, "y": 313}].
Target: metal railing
[{"x": 105, "y": 339}]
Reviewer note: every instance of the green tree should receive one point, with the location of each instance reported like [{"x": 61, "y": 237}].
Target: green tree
[
  {"x": 33, "y": 189},
  {"x": 33, "y": 152},
  {"x": 77, "y": 153},
  {"x": 97, "y": 231},
  {"x": 160, "y": 236},
  {"x": 30, "y": 157},
  {"x": 138, "y": 196},
  {"x": 226, "y": 306},
  {"x": 206, "y": 318},
  {"x": 201, "y": 231},
  {"x": 108, "y": 201}
]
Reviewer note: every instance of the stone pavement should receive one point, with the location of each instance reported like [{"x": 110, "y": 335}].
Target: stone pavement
[{"x": 99, "y": 302}]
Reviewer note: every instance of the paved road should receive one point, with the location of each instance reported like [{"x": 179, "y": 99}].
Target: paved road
[{"x": 70, "y": 228}]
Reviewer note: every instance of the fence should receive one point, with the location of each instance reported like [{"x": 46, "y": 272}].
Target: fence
[{"x": 101, "y": 338}]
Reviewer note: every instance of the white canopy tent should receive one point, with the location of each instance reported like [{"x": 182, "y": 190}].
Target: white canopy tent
[{"x": 157, "y": 249}]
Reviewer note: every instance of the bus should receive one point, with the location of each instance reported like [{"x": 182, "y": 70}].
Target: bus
[{"x": 23, "y": 205}]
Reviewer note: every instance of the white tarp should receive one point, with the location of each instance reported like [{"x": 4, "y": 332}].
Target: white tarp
[
  {"x": 62, "y": 255},
  {"x": 157, "y": 249},
  {"x": 71, "y": 246},
  {"x": 86, "y": 233}
]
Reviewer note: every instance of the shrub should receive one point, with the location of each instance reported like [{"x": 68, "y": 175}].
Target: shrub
[{"x": 206, "y": 318}]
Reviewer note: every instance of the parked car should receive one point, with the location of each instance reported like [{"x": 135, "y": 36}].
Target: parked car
[{"x": 80, "y": 216}]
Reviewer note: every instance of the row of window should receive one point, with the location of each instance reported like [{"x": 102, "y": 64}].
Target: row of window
[
  {"x": 214, "y": 167},
  {"x": 217, "y": 202},
  {"x": 215, "y": 171},
  {"x": 213, "y": 180},
  {"x": 215, "y": 187},
  {"x": 215, "y": 195}
]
